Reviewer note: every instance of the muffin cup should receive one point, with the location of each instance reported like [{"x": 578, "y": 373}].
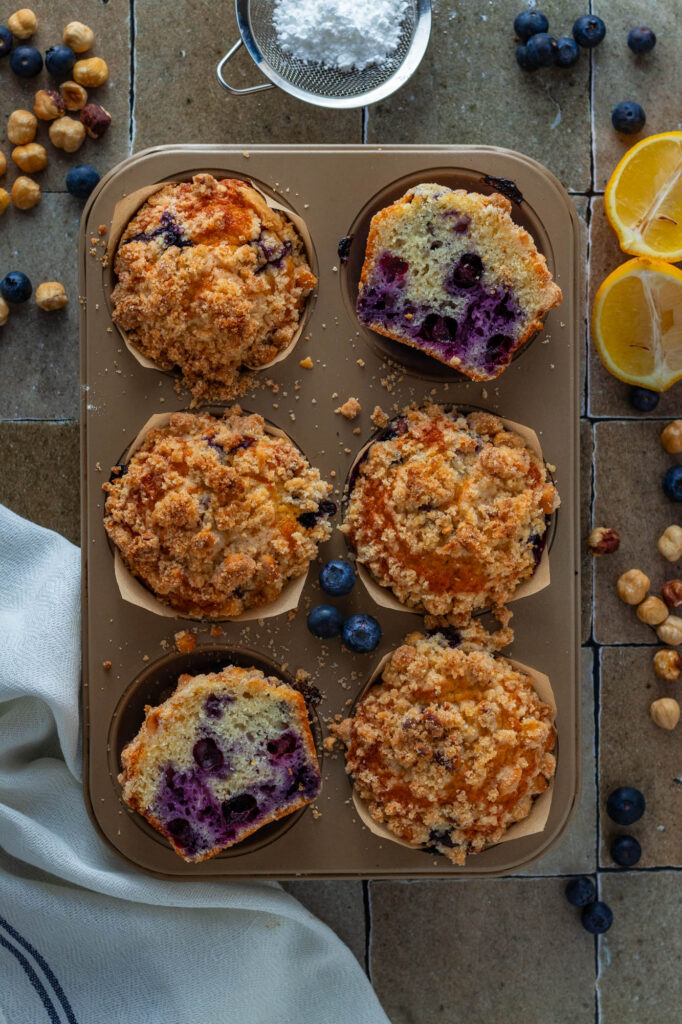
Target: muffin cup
[
  {"x": 130, "y": 204},
  {"x": 539, "y": 813},
  {"x": 135, "y": 592}
]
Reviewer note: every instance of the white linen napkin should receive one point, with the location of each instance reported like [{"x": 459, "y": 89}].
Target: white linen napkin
[{"x": 84, "y": 938}]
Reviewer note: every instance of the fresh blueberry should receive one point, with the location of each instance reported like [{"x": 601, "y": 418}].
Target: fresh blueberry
[
  {"x": 641, "y": 39},
  {"x": 523, "y": 59},
  {"x": 588, "y": 31},
  {"x": 5, "y": 40},
  {"x": 567, "y": 52},
  {"x": 81, "y": 180},
  {"x": 527, "y": 23},
  {"x": 361, "y": 633},
  {"x": 242, "y": 808},
  {"x": 26, "y": 61},
  {"x": 337, "y": 577},
  {"x": 597, "y": 918},
  {"x": 625, "y": 805},
  {"x": 59, "y": 60},
  {"x": 581, "y": 891},
  {"x": 325, "y": 621},
  {"x": 643, "y": 400},
  {"x": 628, "y": 117},
  {"x": 541, "y": 48},
  {"x": 626, "y": 851},
  {"x": 15, "y": 287},
  {"x": 672, "y": 483}
]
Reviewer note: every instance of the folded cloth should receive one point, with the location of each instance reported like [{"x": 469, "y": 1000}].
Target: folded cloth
[{"x": 84, "y": 938}]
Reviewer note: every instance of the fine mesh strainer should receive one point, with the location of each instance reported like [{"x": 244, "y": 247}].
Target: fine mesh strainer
[{"x": 315, "y": 83}]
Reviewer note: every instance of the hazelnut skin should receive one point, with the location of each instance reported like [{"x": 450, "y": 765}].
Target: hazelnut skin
[
  {"x": 30, "y": 158},
  {"x": 603, "y": 541},
  {"x": 670, "y": 631},
  {"x": 3, "y": 163},
  {"x": 671, "y": 437},
  {"x": 633, "y": 586},
  {"x": 95, "y": 120},
  {"x": 21, "y": 127},
  {"x": 668, "y": 665},
  {"x": 51, "y": 295},
  {"x": 4, "y": 199},
  {"x": 78, "y": 36},
  {"x": 74, "y": 95},
  {"x": 48, "y": 104},
  {"x": 91, "y": 72},
  {"x": 671, "y": 593},
  {"x": 670, "y": 543},
  {"x": 665, "y": 712},
  {"x": 67, "y": 134},
  {"x": 652, "y": 611},
  {"x": 25, "y": 193},
  {"x": 23, "y": 23},
  {"x": 4, "y": 308}
]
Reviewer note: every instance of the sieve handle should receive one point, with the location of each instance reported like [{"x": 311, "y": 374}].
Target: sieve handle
[{"x": 230, "y": 88}]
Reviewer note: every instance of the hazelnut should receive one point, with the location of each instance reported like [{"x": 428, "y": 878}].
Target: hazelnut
[
  {"x": 670, "y": 631},
  {"x": 671, "y": 437},
  {"x": 665, "y": 712},
  {"x": 668, "y": 665},
  {"x": 672, "y": 593},
  {"x": 78, "y": 36},
  {"x": 3, "y": 163},
  {"x": 48, "y": 104},
  {"x": 67, "y": 134},
  {"x": 670, "y": 543},
  {"x": 51, "y": 295},
  {"x": 25, "y": 193},
  {"x": 633, "y": 586},
  {"x": 4, "y": 308},
  {"x": 603, "y": 541},
  {"x": 652, "y": 611},
  {"x": 30, "y": 158},
  {"x": 4, "y": 199},
  {"x": 21, "y": 127},
  {"x": 91, "y": 72},
  {"x": 23, "y": 23},
  {"x": 95, "y": 120},
  {"x": 75, "y": 96}
]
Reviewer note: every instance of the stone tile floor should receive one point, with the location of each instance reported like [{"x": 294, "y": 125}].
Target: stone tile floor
[{"x": 485, "y": 951}]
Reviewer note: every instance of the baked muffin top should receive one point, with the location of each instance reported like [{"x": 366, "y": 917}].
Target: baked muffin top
[
  {"x": 210, "y": 278},
  {"x": 215, "y": 515},
  {"x": 449, "y": 511},
  {"x": 450, "y": 746}
]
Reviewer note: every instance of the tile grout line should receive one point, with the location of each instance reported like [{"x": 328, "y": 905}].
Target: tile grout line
[
  {"x": 368, "y": 927},
  {"x": 133, "y": 34},
  {"x": 365, "y": 124}
]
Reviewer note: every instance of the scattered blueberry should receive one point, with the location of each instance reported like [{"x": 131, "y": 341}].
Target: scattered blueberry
[
  {"x": 626, "y": 851},
  {"x": 541, "y": 48},
  {"x": 643, "y": 400},
  {"x": 588, "y": 31},
  {"x": 523, "y": 59},
  {"x": 672, "y": 482},
  {"x": 527, "y": 23},
  {"x": 641, "y": 39},
  {"x": 59, "y": 60},
  {"x": 625, "y": 805},
  {"x": 81, "y": 180},
  {"x": 26, "y": 61},
  {"x": 597, "y": 918},
  {"x": 361, "y": 633},
  {"x": 15, "y": 287},
  {"x": 5, "y": 40},
  {"x": 628, "y": 118},
  {"x": 567, "y": 52},
  {"x": 325, "y": 621},
  {"x": 337, "y": 577},
  {"x": 581, "y": 891}
]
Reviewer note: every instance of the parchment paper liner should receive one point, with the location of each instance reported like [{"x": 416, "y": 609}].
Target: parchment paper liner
[
  {"x": 133, "y": 591},
  {"x": 125, "y": 209},
  {"x": 539, "y": 812},
  {"x": 538, "y": 581}
]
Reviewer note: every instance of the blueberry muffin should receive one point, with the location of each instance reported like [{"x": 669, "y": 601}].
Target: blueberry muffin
[
  {"x": 227, "y": 753},
  {"x": 449, "y": 747},
  {"x": 210, "y": 278},
  {"x": 450, "y": 273},
  {"x": 449, "y": 511},
  {"x": 214, "y": 515}
]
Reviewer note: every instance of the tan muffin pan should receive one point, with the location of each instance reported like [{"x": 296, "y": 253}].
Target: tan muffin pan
[{"x": 129, "y": 652}]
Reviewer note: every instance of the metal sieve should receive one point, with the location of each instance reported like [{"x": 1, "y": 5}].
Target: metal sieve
[{"x": 316, "y": 83}]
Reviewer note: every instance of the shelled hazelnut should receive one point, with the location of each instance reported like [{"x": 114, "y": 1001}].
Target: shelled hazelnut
[
  {"x": 633, "y": 586},
  {"x": 25, "y": 193},
  {"x": 4, "y": 199},
  {"x": 671, "y": 437},
  {"x": 668, "y": 665},
  {"x": 670, "y": 631},
  {"x": 48, "y": 104},
  {"x": 67, "y": 134},
  {"x": 23, "y": 23},
  {"x": 665, "y": 712},
  {"x": 78, "y": 36},
  {"x": 670, "y": 543},
  {"x": 3, "y": 163},
  {"x": 21, "y": 127},
  {"x": 51, "y": 295},
  {"x": 672, "y": 593},
  {"x": 74, "y": 95},
  {"x": 91, "y": 72},
  {"x": 4, "y": 308},
  {"x": 652, "y": 611},
  {"x": 603, "y": 541},
  {"x": 95, "y": 120},
  {"x": 30, "y": 158}
]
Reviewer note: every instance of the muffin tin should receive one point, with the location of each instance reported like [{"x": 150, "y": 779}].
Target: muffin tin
[{"x": 336, "y": 189}]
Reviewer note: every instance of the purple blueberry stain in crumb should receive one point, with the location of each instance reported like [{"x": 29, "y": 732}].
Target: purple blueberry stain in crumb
[
  {"x": 325, "y": 508},
  {"x": 537, "y": 545},
  {"x": 461, "y": 221},
  {"x": 208, "y": 755},
  {"x": 271, "y": 252},
  {"x": 441, "y": 837},
  {"x": 215, "y": 705},
  {"x": 283, "y": 745},
  {"x": 466, "y": 273},
  {"x": 169, "y": 231},
  {"x": 240, "y": 809}
]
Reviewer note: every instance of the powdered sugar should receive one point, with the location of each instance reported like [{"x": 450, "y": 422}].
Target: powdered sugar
[{"x": 343, "y": 34}]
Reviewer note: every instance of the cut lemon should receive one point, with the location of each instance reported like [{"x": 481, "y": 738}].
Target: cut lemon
[
  {"x": 643, "y": 198},
  {"x": 637, "y": 323}
]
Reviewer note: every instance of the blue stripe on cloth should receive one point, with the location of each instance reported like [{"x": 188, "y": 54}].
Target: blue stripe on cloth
[
  {"x": 34, "y": 979},
  {"x": 47, "y": 970}
]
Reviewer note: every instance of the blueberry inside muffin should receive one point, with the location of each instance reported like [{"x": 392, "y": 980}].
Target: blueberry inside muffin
[
  {"x": 448, "y": 272},
  {"x": 450, "y": 747},
  {"x": 215, "y": 515},
  {"x": 227, "y": 753}
]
